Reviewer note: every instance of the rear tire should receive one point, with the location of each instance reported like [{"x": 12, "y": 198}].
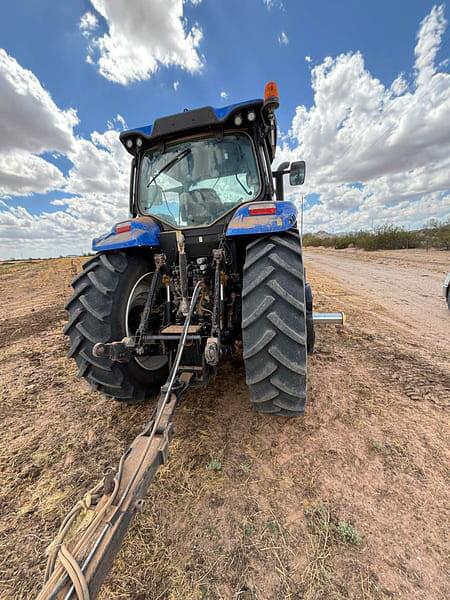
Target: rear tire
[
  {"x": 274, "y": 324},
  {"x": 98, "y": 312}
]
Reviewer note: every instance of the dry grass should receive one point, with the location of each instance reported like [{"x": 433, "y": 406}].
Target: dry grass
[
  {"x": 325, "y": 532},
  {"x": 346, "y": 503}
]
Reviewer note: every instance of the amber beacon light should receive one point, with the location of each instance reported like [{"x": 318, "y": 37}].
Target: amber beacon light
[{"x": 271, "y": 95}]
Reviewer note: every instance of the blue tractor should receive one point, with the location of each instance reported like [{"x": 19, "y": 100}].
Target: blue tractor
[{"x": 207, "y": 215}]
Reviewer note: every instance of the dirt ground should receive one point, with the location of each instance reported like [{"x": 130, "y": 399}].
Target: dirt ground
[{"x": 350, "y": 502}]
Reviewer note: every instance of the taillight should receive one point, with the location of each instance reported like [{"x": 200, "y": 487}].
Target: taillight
[
  {"x": 262, "y": 210},
  {"x": 122, "y": 227}
]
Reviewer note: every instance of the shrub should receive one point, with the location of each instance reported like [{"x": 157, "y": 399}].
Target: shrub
[
  {"x": 387, "y": 237},
  {"x": 347, "y": 533}
]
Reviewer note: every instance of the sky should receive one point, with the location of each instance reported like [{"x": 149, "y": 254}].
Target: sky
[{"x": 364, "y": 87}]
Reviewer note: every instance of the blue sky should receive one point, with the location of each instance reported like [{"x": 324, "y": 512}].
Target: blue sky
[{"x": 365, "y": 98}]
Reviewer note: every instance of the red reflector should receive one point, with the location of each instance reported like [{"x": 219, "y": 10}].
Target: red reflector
[
  {"x": 262, "y": 210},
  {"x": 123, "y": 227}
]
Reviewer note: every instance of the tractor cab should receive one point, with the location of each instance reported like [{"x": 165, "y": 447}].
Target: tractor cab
[
  {"x": 194, "y": 182},
  {"x": 193, "y": 169}
]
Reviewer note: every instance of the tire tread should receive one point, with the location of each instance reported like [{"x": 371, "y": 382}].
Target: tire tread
[
  {"x": 90, "y": 320},
  {"x": 274, "y": 324}
]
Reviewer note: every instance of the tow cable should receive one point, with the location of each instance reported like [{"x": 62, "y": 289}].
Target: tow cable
[{"x": 115, "y": 500}]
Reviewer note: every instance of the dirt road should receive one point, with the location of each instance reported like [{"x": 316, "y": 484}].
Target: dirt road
[
  {"x": 350, "y": 502},
  {"x": 407, "y": 285}
]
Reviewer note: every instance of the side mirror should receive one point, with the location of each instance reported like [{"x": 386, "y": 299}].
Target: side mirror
[{"x": 297, "y": 172}]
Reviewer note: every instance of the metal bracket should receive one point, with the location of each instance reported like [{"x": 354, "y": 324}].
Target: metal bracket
[
  {"x": 212, "y": 351},
  {"x": 117, "y": 351},
  {"x": 160, "y": 267}
]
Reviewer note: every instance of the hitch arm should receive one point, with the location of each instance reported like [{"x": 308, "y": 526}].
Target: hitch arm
[{"x": 118, "y": 351}]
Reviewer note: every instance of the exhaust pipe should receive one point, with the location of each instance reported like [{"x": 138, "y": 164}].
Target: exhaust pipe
[{"x": 334, "y": 318}]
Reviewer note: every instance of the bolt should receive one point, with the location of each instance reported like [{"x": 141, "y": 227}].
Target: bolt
[{"x": 99, "y": 350}]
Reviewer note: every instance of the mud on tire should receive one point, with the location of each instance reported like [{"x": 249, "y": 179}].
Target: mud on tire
[
  {"x": 97, "y": 313},
  {"x": 274, "y": 324}
]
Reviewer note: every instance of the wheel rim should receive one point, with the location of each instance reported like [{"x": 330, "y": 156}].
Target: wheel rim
[{"x": 135, "y": 305}]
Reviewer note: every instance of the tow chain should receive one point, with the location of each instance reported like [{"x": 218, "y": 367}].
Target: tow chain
[{"x": 116, "y": 499}]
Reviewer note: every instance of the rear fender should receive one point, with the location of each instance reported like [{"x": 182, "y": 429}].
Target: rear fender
[
  {"x": 142, "y": 232},
  {"x": 244, "y": 223}
]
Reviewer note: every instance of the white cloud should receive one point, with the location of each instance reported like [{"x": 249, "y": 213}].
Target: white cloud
[
  {"x": 224, "y": 95},
  {"x": 410, "y": 213},
  {"x": 22, "y": 173},
  {"x": 393, "y": 142},
  {"x": 176, "y": 85},
  {"x": 283, "y": 39},
  {"x": 375, "y": 153},
  {"x": 399, "y": 85},
  {"x": 29, "y": 119},
  {"x": 88, "y": 23},
  {"x": 273, "y": 4},
  {"x": 30, "y": 124},
  {"x": 118, "y": 122},
  {"x": 99, "y": 178},
  {"x": 308, "y": 59},
  {"x": 100, "y": 165},
  {"x": 140, "y": 40},
  {"x": 428, "y": 41},
  {"x": 68, "y": 231},
  {"x": 194, "y": 2}
]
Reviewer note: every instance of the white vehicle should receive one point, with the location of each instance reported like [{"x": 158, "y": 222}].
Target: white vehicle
[{"x": 446, "y": 290}]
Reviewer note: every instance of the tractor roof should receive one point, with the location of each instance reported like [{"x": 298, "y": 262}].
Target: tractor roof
[{"x": 185, "y": 122}]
